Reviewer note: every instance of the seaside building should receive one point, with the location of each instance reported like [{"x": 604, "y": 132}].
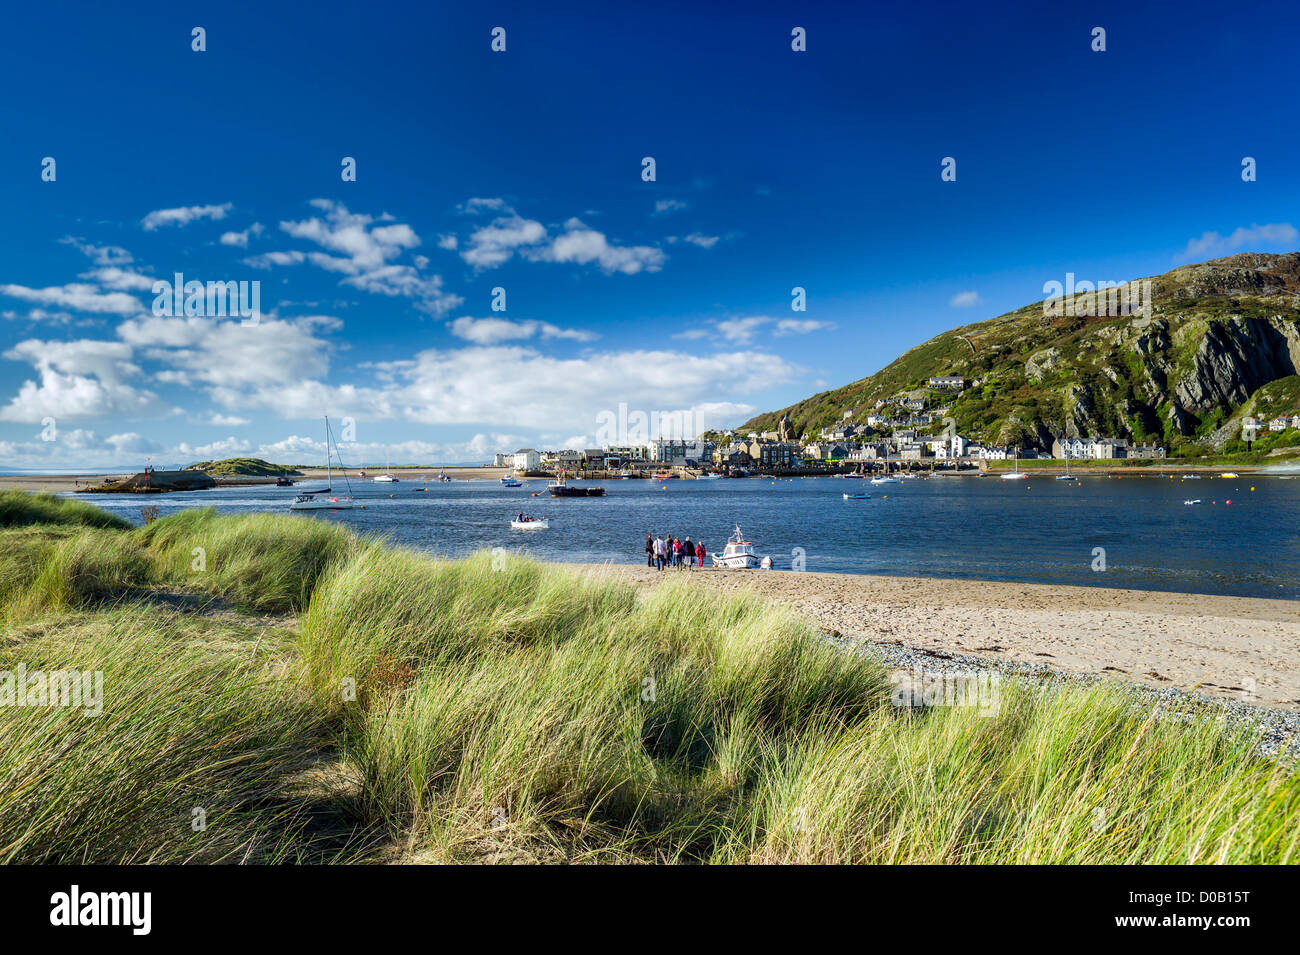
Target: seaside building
[
  {"x": 527, "y": 459},
  {"x": 948, "y": 382}
]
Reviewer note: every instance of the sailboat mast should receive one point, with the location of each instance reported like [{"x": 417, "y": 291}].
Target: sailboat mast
[{"x": 329, "y": 475}]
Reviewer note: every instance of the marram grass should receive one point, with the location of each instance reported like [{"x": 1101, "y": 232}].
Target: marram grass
[{"x": 402, "y": 708}]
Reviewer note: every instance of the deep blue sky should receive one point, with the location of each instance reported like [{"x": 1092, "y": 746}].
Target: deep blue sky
[{"x": 775, "y": 169}]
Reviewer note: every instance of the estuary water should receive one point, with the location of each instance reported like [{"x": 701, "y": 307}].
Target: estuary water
[{"x": 1242, "y": 539}]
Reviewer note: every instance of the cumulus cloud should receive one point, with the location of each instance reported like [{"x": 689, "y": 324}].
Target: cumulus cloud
[
  {"x": 240, "y": 239},
  {"x": 797, "y": 326},
  {"x": 964, "y": 299},
  {"x": 496, "y": 243},
  {"x": 493, "y": 331},
  {"x": 77, "y": 379},
  {"x": 183, "y": 215},
  {"x": 1212, "y": 245},
  {"x": 362, "y": 248},
  {"x": 78, "y": 296},
  {"x": 664, "y": 207}
]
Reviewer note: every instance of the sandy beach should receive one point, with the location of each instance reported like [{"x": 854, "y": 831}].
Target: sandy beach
[{"x": 1233, "y": 647}]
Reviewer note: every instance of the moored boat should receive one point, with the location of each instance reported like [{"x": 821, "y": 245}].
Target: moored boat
[
  {"x": 325, "y": 499},
  {"x": 531, "y": 524},
  {"x": 508, "y": 481},
  {"x": 739, "y": 554}
]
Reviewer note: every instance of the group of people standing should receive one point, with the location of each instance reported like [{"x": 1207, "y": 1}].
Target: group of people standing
[{"x": 673, "y": 552}]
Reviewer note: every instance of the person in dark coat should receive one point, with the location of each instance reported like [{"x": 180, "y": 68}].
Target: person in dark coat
[{"x": 649, "y": 550}]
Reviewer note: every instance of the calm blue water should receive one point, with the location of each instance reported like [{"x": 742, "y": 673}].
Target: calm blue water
[{"x": 1039, "y": 531}]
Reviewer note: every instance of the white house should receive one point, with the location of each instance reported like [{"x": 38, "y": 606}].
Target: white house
[{"x": 527, "y": 459}]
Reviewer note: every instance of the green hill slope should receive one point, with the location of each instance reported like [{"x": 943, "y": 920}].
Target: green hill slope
[
  {"x": 244, "y": 467},
  {"x": 1218, "y": 335}
]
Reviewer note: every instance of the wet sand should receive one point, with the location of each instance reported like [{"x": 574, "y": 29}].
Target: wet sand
[{"x": 1235, "y": 647}]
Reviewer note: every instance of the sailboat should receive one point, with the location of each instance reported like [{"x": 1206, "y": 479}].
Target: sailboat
[
  {"x": 324, "y": 499},
  {"x": 1015, "y": 474},
  {"x": 887, "y": 478},
  {"x": 385, "y": 478},
  {"x": 1067, "y": 476}
]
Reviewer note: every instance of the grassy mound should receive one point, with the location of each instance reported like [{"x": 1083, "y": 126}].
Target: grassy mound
[
  {"x": 265, "y": 562},
  {"x": 243, "y": 467},
  {"x": 20, "y": 509}
]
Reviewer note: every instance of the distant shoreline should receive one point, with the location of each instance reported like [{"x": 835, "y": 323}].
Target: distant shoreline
[{"x": 55, "y": 483}]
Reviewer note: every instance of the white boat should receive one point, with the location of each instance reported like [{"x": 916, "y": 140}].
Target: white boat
[
  {"x": 508, "y": 481},
  {"x": 709, "y": 477},
  {"x": 886, "y": 479},
  {"x": 738, "y": 554},
  {"x": 325, "y": 499},
  {"x": 1191, "y": 477},
  {"x": 1197, "y": 501},
  {"x": 385, "y": 478},
  {"x": 443, "y": 478},
  {"x": 855, "y": 497},
  {"x": 535, "y": 524},
  {"x": 1015, "y": 474}
]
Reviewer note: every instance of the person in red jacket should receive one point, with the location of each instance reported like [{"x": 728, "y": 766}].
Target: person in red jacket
[{"x": 700, "y": 552}]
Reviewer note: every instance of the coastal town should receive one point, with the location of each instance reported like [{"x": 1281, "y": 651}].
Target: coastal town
[{"x": 910, "y": 430}]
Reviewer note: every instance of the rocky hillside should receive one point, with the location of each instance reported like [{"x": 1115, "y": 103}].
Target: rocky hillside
[{"x": 1222, "y": 340}]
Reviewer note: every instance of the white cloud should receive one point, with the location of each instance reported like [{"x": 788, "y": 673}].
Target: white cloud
[
  {"x": 964, "y": 299},
  {"x": 476, "y": 206},
  {"x": 1213, "y": 245},
  {"x": 740, "y": 331},
  {"x": 100, "y": 254},
  {"x": 703, "y": 241},
  {"x": 240, "y": 239},
  {"x": 493, "y": 331},
  {"x": 183, "y": 215},
  {"x": 226, "y": 420},
  {"x": 496, "y": 243},
  {"x": 796, "y": 326},
  {"x": 77, "y": 379},
  {"x": 363, "y": 253},
  {"x": 78, "y": 296},
  {"x": 119, "y": 279},
  {"x": 665, "y": 206}
]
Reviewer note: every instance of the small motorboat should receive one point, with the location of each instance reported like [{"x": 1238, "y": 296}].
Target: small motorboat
[
  {"x": 709, "y": 477},
  {"x": 665, "y": 475},
  {"x": 1067, "y": 477},
  {"x": 1197, "y": 501},
  {"x": 442, "y": 477},
  {"x": 886, "y": 479},
  {"x": 1228, "y": 474},
  {"x": 856, "y": 497},
  {"x": 739, "y": 554},
  {"x": 1191, "y": 477},
  {"x": 508, "y": 481},
  {"x": 283, "y": 481},
  {"x": 419, "y": 489},
  {"x": 531, "y": 524}
]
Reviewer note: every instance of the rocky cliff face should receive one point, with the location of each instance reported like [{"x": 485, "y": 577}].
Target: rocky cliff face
[{"x": 1217, "y": 333}]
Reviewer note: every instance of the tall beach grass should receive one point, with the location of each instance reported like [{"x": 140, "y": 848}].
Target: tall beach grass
[{"x": 399, "y": 707}]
